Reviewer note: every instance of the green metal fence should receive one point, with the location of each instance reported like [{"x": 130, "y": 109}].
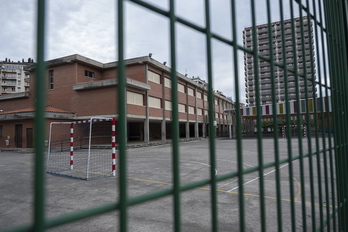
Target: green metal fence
[{"x": 327, "y": 152}]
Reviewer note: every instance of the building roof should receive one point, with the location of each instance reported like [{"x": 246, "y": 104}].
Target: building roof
[
  {"x": 51, "y": 109},
  {"x": 29, "y": 113},
  {"x": 76, "y": 58}
]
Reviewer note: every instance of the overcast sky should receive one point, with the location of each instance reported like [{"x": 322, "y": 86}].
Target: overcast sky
[{"x": 88, "y": 28}]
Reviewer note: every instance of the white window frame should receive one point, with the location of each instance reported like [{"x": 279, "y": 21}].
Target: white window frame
[
  {"x": 154, "y": 77},
  {"x": 154, "y": 102},
  {"x": 181, "y": 88},
  {"x": 135, "y": 98},
  {"x": 182, "y": 108},
  {"x": 167, "y": 82},
  {"x": 190, "y": 91},
  {"x": 199, "y": 111},
  {"x": 199, "y": 95},
  {"x": 168, "y": 105}
]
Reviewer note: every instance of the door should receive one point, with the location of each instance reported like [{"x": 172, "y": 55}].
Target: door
[
  {"x": 30, "y": 138},
  {"x": 18, "y": 135}
]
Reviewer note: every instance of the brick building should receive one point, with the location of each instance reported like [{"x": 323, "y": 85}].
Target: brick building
[{"x": 79, "y": 88}]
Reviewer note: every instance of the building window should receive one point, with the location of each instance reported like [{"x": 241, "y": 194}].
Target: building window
[
  {"x": 135, "y": 98},
  {"x": 89, "y": 74},
  {"x": 154, "y": 77},
  {"x": 155, "y": 102},
  {"x": 191, "y": 110},
  {"x": 205, "y": 97},
  {"x": 182, "y": 108},
  {"x": 50, "y": 79},
  {"x": 168, "y": 105},
  {"x": 190, "y": 92},
  {"x": 199, "y": 95},
  {"x": 167, "y": 82},
  {"x": 199, "y": 111},
  {"x": 181, "y": 88}
]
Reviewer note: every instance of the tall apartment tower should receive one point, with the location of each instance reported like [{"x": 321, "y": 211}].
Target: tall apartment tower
[
  {"x": 13, "y": 76},
  {"x": 264, "y": 66}
]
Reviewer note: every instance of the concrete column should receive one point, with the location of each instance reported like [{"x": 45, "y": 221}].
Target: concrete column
[
  {"x": 187, "y": 130},
  {"x": 146, "y": 122},
  {"x": 163, "y": 130},
  {"x": 163, "y": 123},
  {"x": 204, "y": 126},
  {"x": 146, "y": 130},
  {"x": 234, "y": 123}
]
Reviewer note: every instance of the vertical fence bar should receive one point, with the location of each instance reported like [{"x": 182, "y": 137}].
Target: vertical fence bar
[
  {"x": 211, "y": 104},
  {"x": 175, "y": 120},
  {"x": 275, "y": 119},
  {"x": 317, "y": 145},
  {"x": 339, "y": 44},
  {"x": 322, "y": 113},
  {"x": 40, "y": 94},
  {"x": 258, "y": 118},
  {"x": 287, "y": 116},
  {"x": 328, "y": 113},
  {"x": 344, "y": 34},
  {"x": 298, "y": 115},
  {"x": 341, "y": 28},
  {"x": 238, "y": 121},
  {"x": 335, "y": 110},
  {"x": 338, "y": 109},
  {"x": 122, "y": 118}
]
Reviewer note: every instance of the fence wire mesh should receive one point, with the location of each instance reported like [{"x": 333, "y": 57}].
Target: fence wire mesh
[{"x": 317, "y": 69}]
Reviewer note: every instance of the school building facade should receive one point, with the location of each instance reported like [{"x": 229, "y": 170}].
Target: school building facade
[{"x": 79, "y": 88}]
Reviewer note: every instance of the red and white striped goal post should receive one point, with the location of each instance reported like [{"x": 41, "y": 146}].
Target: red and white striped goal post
[{"x": 113, "y": 139}]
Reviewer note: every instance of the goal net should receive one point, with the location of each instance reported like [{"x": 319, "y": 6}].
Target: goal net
[
  {"x": 294, "y": 131},
  {"x": 82, "y": 149}
]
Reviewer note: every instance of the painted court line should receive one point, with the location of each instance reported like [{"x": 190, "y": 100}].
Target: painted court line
[
  {"x": 218, "y": 190},
  {"x": 248, "y": 182}
]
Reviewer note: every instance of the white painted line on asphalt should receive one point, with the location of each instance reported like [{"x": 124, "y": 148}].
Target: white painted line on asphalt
[
  {"x": 248, "y": 182},
  {"x": 216, "y": 171}
]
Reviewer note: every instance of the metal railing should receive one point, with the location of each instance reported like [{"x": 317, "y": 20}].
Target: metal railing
[{"x": 329, "y": 19}]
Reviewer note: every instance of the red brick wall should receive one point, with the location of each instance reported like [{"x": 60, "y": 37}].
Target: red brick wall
[
  {"x": 192, "y": 117},
  {"x": 101, "y": 101},
  {"x": 156, "y": 90},
  {"x": 182, "y": 98},
  {"x": 109, "y": 74},
  {"x": 80, "y": 73},
  {"x": 153, "y": 112},
  {"x": 136, "y": 72},
  {"x": 191, "y": 100},
  {"x": 167, "y": 94},
  {"x": 8, "y": 129},
  {"x": 136, "y": 110}
]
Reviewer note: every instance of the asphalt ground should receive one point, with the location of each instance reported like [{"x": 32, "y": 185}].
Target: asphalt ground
[{"x": 150, "y": 169}]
